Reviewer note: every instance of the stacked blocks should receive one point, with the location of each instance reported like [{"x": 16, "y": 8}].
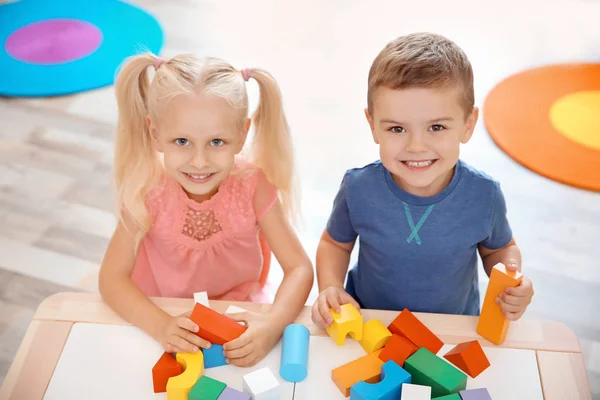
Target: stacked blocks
[
  {"x": 492, "y": 324},
  {"x": 262, "y": 385},
  {"x": 294, "y": 353},
  {"x": 429, "y": 370},
  {"x": 389, "y": 388},
  {"x": 398, "y": 349},
  {"x": 166, "y": 367},
  {"x": 214, "y": 356},
  {"x": 468, "y": 357},
  {"x": 179, "y": 386},
  {"x": 375, "y": 336},
  {"x": 206, "y": 389},
  {"x": 214, "y": 327},
  {"x": 348, "y": 321},
  {"x": 475, "y": 394},
  {"x": 407, "y": 325},
  {"x": 367, "y": 369}
]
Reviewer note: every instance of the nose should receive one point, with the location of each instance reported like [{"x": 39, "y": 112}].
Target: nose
[
  {"x": 200, "y": 159},
  {"x": 416, "y": 143}
]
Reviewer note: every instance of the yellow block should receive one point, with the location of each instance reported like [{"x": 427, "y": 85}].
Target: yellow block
[
  {"x": 348, "y": 321},
  {"x": 375, "y": 336},
  {"x": 577, "y": 116},
  {"x": 179, "y": 386}
]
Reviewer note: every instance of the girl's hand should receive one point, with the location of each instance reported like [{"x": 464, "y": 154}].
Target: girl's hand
[
  {"x": 263, "y": 333},
  {"x": 179, "y": 335}
]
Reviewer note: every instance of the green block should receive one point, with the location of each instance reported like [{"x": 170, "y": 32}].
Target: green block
[
  {"x": 429, "y": 370},
  {"x": 206, "y": 389},
  {"x": 454, "y": 396}
]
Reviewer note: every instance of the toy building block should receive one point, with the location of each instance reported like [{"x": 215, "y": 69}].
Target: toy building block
[
  {"x": 375, "y": 335},
  {"x": 348, "y": 321},
  {"x": 206, "y": 389},
  {"x": 214, "y": 327},
  {"x": 469, "y": 357},
  {"x": 179, "y": 386},
  {"x": 430, "y": 370},
  {"x": 366, "y": 368},
  {"x": 202, "y": 298},
  {"x": 232, "y": 394},
  {"x": 389, "y": 388},
  {"x": 493, "y": 325},
  {"x": 294, "y": 353},
  {"x": 398, "y": 349},
  {"x": 453, "y": 396},
  {"x": 475, "y": 394},
  {"x": 262, "y": 385},
  {"x": 166, "y": 367},
  {"x": 410, "y": 391},
  {"x": 214, "y": 356},
  {"x": 407, "y": 325}
]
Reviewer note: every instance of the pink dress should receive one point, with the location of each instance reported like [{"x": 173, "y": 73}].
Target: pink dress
[{"x": 213, "y": 246}]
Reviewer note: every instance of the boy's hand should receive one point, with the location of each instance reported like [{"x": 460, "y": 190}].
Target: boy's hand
[
  {"x": 332, "y": 297},
  {"x": 180, "y": 335},
  {"x": 263, "y": 333},
  {"x": 514, "y": 301}
]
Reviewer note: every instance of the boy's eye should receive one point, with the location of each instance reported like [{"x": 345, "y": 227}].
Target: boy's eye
[
  {"x": 397, "y": 129},
  {"x": 217, "y": 142},
  {"x": 437, "y": 128},
  {"x": 182, "y": 142}
]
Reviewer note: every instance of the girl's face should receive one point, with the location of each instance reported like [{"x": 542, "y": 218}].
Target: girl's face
[{"x": 199, "y": 136}]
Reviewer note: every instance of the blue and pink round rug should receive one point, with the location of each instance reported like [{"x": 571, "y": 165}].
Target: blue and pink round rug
[{"x": 51, "y": 48}]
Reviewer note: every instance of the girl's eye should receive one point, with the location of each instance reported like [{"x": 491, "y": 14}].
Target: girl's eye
[
  {"x": 217, "y": 142},
  {"x": 397, "y": 129},
  {"x": 437, "y": 128},
  {"x": 182, "y": 142}
]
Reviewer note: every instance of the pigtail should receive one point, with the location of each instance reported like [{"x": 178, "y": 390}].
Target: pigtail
[{"x": 271, "y": 148}]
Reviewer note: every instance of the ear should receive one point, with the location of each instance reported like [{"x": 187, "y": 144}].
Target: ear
[
  {"x": 153, "y": 132},
  {"x": 371, "y": 125},
  {"x": 470, "y": 125},
  {"x": 244, "y": 134}
]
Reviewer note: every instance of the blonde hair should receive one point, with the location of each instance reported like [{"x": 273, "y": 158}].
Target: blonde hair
[
  {"x": 426, "y": 60},
  {"x": 138, "y": 168}
]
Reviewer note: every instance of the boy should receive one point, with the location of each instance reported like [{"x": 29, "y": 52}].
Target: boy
[{"x": 420, "y": 213}]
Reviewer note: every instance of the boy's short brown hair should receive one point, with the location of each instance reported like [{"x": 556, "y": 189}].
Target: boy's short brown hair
[{"x": 426, "y": 60}]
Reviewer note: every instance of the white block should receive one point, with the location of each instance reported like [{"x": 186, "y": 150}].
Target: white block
[
  {"x": 415, "y": 392},
  {"x": 262, "y": 385},
  {"x": 202, "y": 298},
  {"x": 234, "y": 310}
]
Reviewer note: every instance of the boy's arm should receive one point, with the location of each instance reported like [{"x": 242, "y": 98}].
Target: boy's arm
[
  {"x": 333, "y": 259},
  {"x": 509, "y": 255}
]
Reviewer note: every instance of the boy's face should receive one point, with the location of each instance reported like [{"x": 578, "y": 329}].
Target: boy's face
[{"x": 419, "y": 132}]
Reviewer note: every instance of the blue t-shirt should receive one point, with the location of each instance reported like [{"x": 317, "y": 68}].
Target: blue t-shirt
[{"x": 417, "y": 252}]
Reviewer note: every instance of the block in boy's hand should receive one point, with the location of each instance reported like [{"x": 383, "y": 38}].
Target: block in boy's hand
[
  {"x": 348, "y": 321},
  {"x": 214, "y": 327}
]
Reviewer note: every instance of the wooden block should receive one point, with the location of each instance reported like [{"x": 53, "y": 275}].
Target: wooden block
[
  {"x": 202, "y": 298},
  {"x": 232, "y": 394},
  {"x": 367, "y": 369},
  {"x": 375, "y": 336},
  {"x": 179, "y": 386},
  {"x": 390, "y": 386},
  {"x": 348, "y": 321},
  {"x": 214, "y": 327},
  {"x": 214, "y": 356},
  {"x": 407, "y": 325},
  {"x": 262, "y": 385},
  {"x": 430, "y": 370},
  {"x": 469, "y": 357},
  {"x": 492, "y": 324},
  {"x": 398, "y": 348},
  {"x": 453, "y": 396},
  {"x": 475, "y": 394},
  {"x": 206, "y": 389},
  {"x": 166, "y": 367},
  {"x": 411, "y": 391}
]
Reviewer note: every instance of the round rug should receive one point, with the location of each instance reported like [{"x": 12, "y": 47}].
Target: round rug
[
  {"x": 61, "y": 47},
  {"x": 548, "y": 119}
]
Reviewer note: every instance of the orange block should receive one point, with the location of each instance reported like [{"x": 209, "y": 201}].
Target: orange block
[
  {"x": 398, "y": 349},
  {"x": 407, "y": 325},
  {"x": 469, "y": 357},
  {"x": 367, "y": 368},
  {"x": 166, "y": 367},
  {"x": 492, "y": 324},
  {"x": 215, "y": 327}
]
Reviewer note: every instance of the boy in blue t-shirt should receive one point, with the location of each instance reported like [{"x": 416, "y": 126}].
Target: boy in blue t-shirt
[{"x": 421, "y": 215}]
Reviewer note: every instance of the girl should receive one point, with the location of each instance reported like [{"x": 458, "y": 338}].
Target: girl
[{"x": 195, "y": 215}]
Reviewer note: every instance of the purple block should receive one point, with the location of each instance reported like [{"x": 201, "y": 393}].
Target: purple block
[
  {"x": 232, "y": 394},
  {"x": 475, "y": 394}
]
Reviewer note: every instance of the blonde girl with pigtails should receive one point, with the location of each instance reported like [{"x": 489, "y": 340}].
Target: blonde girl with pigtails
[{"x": 200, "y": 209}]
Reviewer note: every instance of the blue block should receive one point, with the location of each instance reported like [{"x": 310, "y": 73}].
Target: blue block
[
  {"x": 214, "y": 357},
  {"x": 294, "y": 353},
  {"x": 389, "y": 388}
]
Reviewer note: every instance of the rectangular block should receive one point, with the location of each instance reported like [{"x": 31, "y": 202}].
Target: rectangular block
[
  {"x": 206, "y": 389},
  {"x": 367, "y": 369},
  {"x": 429, "y": 370},
  {"x": 475, "y": 394},
  {"x": 214, "y": 327},
  {"x": 453, "y": 396},
  {"x": 262, "y": 385},
  {"x": 398, "y": 349},
  {"x": 214, "y": 356},
  {"x": 232, "y": 394},
  {"x": 492, "y": 323},
  {"x": 409, "y": 326},
  {"x": 410, "y": 391}
]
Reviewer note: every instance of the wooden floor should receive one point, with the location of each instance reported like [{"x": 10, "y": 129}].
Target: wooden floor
[{"x": 55, "y": 154}]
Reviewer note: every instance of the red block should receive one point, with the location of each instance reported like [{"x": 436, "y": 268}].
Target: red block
[
  {"x": 469, "y": 357},
  {"x": 166, "y": 367},
  {"x": 214, "y": 327},
  {"x": 398, "y": 349},
  {"x": 407, "y": 325}
]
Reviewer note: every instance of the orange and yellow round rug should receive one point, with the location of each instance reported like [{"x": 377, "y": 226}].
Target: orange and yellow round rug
[{"x": 548, "y": 119}]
